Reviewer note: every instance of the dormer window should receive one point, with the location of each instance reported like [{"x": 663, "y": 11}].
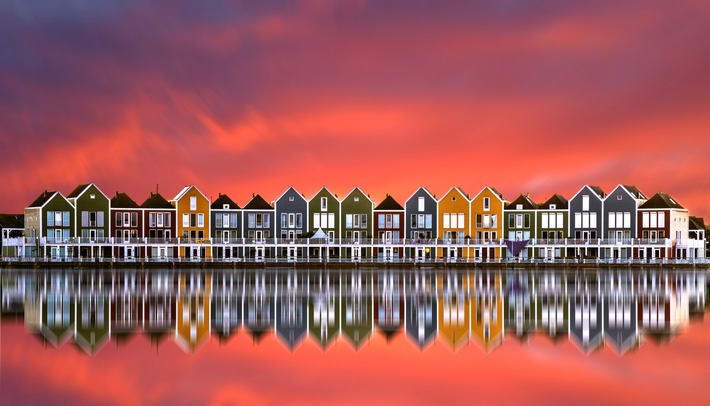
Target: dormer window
[
  {"x": 225, "y": 206},
  {"x": 618, "y": 197},
  {"x": 356, "y": 198},
  {"x": 518, "y": 207},
  {"x": 92, "y": 196},
  {"x": 290, "y": 198},
  {"x": 324, "y": 203},
  {"x": 553, "y": 206}
]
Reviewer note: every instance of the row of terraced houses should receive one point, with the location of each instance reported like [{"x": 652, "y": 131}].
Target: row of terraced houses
[{"x": 621, "y": 225}]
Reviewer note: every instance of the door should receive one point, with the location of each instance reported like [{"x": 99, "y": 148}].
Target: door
[
  {"x": 259, "y": 254},
  {"x": 356, "y": 254},
  {"x": 195, "y": 253},
  {"x": 292, "y": 254},
  {"x": 57, "y": 236},
  {"x": 225, "y": 236},
  {"x": 388, "y": 237},
  {"x": 452, "y": 254},
  {"x": 619, "y": 237},
  {"x": 388, "y": 254},
  {"x": 420, "y": 254},
  {"x": 92, "y": 235},
  {"x": 259, "y": 236}
]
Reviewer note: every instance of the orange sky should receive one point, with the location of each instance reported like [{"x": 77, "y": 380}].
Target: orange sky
[
  {"x": 245, "y": 98},
  {"x": 240, "y": 371}
]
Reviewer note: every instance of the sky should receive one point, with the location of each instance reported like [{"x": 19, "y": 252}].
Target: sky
[{"x": 242, "y": 97}]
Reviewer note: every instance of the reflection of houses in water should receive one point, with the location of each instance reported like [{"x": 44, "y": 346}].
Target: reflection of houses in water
[
  {"x": 612, "y": 306},
  {"x": 585, "y": 327},
  {"x": 421, "y": 307},
  {"x": 519, "y": 311},
  {"x": 621, "y": 310},
  {"x": 551, "y": 303},
  {"x": 160, "y": 304},
  {"x": 663, "y": 309},
  {"x": 291, "y": 308},
  {"x": 389, "y": 302},
  {"x": 227, "y": 294},
  {"x": 324, "y": 317},
  {"x": 93, "y": 327},
  {"x": 487, "y": 323},
  {"x": 258, "y": 303},
  {"x": 357, "y": 320},
  {"x": 454, "y": 307},
  {"x": 126, "y": 303},
  {"x": 193, "y": 309},
  {"x": 57, "y": 307}
]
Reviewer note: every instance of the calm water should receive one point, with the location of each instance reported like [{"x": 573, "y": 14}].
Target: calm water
[{"x": 265, "y": 337}]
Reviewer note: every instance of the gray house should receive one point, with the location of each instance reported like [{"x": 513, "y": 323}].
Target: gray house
[
  {"x": 585, "y": 310},
  {"x": 291, "y": 316},
  {"x": 620, "y": 310},
  {"x": 291, "y": 222},
  {"x": 620, "y": 216},
  {"x": 585, "y": 220},
  {"x": 226, "y": 227},
  {"x": 420, "y": 215},
  {"x": 421, "y": 308}
]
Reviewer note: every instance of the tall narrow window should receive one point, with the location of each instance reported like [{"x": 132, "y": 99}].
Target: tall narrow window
[
  {"x": 420, "y": 203},
  {"x": 324, "y": 203},
  {"x": 486, "y": 203},
  {"x": 193, "y": 202},
  {"x": 585, "y": 202}
]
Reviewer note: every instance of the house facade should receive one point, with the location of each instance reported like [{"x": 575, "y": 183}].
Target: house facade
[
  {"x": 487, "y": 223},
  {"x": 92, "y": 210},
  {"x": 159, "y": 227},
  {"x": 356, "y": 224},
  {"x": 126, "y": 227},
  {"x": 258, "y": 228},
  {"x": 520, "y": 224},
  {"x": 291, "y": 223},
  {"x": 324, "y": 214},
  {"x": 193, "y": 222},
  {"x": 552, "y": 224},
  {"x": 619, "y": 219},
  {"x": 585, "y": 221},
  {"x": 421, "y": 224},
  {"x": 226, "y": 227},
  {"x": 49, "y": 226},
  {"x": 388, "y": 219},
  {"x": 454, "y": 210}
]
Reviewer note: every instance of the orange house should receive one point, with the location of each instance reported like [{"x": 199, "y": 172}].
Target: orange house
[
  {"x": 193, "y": 310},
  {"x": 454, "y": 224},
  {"x": 487, "y": 223},
  {"x": 193, "y": 222},
  {"x": 487, "y": 324},
  {"x": 454, "y": 303}
]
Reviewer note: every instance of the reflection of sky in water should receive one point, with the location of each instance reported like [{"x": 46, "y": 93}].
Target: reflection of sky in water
[{"x": 136, "y": 369}]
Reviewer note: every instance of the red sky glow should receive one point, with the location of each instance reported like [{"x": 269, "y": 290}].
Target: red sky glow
[{"x": 252, "y": 97}]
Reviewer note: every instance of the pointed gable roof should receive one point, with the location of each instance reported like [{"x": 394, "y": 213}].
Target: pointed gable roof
[
  {"x": 258, "y": 203},
  {"x": 289, "y": 189},
  {"x": 594, "y": 189},
  {"x": 459, "y": 191},
  {"x": 187, "y": 189},
  {"x": 389, "y": 204},
  {"x": 333, "y": 195},
  {"x": 222, "y": 200},
  {"x": 122, "y": 200},
  {"x": 559, "y": 202},
  {"x": 493, "y": 190},
  {"x": 42, "y": 199},
  {"x": 77, "y": 191},
  {"x": 425, "y": 191},
  {"x": 356, "y": 188},
  {"x": 634, "y": 191},
  {"x": 661, "y": 201},
  {"x": 523, "y": 200},
  {"x": 696, "y": 223},
  {"x": 156, "y": 201}
]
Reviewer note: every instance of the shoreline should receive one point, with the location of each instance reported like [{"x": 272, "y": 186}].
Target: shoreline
[{"x": 220, "y": 265}]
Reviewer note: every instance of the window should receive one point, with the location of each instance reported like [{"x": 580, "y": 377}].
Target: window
[
  {"x": 420, "y": 203},
  {"x": 518, "y": 207},
  {"x": 479, "y": 219},
  {"x": 218, "y": 220},
  {"x": 553, "y": 206},
  {"x": 251, "y": 220},
  {"x": 518, "y": 221},
  {"x": 151, "y": 219},
  {"x": 511, "y": 221},
  {"x": 323, "y": 203},
  {"x": 65, "y": 221},
  {"x": 654, "y": 220},
  {"x": 356, "y": 220},
  {"x": 644, "y": 219},
  {"x": 446, "y": 220},
  {"x": 462, "y": 223},
  {"x": 193, "y": 220},
  {"x": 118, "y": 219},
  {"x": 232, "y": 220},
  {"x": 284, "y": 218},
  {"x": 544, "y": 221},
  {"x": 585, "y": 203},
  {"x": 380, "y": 220},
  {"x": 126, "y": 219},
  {"x": 299, "y": 220},
  {"x": 618, "y": 197},
  {"x": 290, "y": 198},
  {"x": 331, "y": 220},
  {"x": 316, "y": 221},
  {"x": 388, "y": 221},
  {"x": 225, "y": 219},
  {"x": 185, "y": 220},
  {"x": 486, "y": 203},
  {"x": 413, "y": 222},
  {"x": 527, "y": 220},
  {"x": 193, "y": 202},
  {"x": 356, "y": 198},
  {"x": 428, "y": 218},
  {"x": 395, "y": 221},
  {"x": 363, "y": 221},
  {"x": 134, "y": 219},
  {"x": 661, "y": 220},
  {"x": 421, "y": 220},
  {"x": 50, "y": 218},
  {"x": 348, "y": 221},
  {"x": 92, "y": 219}
]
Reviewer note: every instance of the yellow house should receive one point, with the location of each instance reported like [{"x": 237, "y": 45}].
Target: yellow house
[
  {"x": 454, "y": 224},
  {"x": 193, "y": 310},
  {"x": 487, "y": 309},
  {"x": 487, "y": 224},
  {"x": 454, "y": 303},
  {"x": 193, "y": 223}
]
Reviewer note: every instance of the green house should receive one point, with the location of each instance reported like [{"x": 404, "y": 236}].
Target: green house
[
  {"x": 49, "y": 226},
  {"x": 520, "y": 222},
  {"x": 357, "y": 318},
  {"x": 551, "y": 225},
  {"x": 92, "y": 311},
  {"x": 356, "y": 224},
  {"x": 324, "y": 307},
  {"x": 91, "y": 209},
  {"x": 324, "y": 214}
]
